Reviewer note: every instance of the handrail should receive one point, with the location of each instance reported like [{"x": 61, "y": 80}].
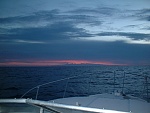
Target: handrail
[
  {"x": 38, "y": 86},
  {"x": 122, "y": 88}
]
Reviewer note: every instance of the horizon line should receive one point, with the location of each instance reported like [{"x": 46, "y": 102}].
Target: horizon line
[{"x": 64, "y": 63}]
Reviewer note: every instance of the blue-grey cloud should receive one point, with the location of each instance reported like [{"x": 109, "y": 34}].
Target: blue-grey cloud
[
  {"x": 46, "y": 16},
  {"x": 52, "y": 35},
  {"x": 56, "y": 31},
  {"x": 109, "y": 11},
  {"x": 147, "y": 18},
  {"x": 58, "y": 26},
  {"x": 144, "y": 11},
  {"x": 142, "y": 14},
  {"x": 34, "y": 19}
]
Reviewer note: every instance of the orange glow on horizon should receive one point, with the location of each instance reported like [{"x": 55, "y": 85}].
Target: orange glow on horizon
[{"x": 57, "y": 62}]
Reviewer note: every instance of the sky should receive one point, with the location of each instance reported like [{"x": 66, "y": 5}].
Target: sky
[{"x": 74, "y": 32}]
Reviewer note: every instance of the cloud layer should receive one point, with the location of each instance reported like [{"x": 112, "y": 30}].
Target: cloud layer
[{"x": 103, "y": 33}]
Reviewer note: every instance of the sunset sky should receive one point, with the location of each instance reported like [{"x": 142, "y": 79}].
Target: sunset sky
[{"x": 62, "y": 32}]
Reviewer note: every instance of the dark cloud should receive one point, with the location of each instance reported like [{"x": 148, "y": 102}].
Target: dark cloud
[
  {"x": 34, "y": 17},
  {"x": 62, "y": 26},
  {"x": 142, "y": 14},
  {"x": 144, "y": 11},
  {"x": 99, "y": 11},
  {"x": 57, "y": 25},
  {"x": 56, "y": 31},
  {"x": 147, "y": 18},
  {"x": 50, "y": 17},
  {"x": 116, "y": 51}
]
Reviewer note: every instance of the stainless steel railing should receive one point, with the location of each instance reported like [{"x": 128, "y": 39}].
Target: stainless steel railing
[{"x": 124, "y": 82}]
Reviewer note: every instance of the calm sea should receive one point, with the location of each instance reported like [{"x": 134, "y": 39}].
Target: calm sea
[{"x": 84, "y": 80}]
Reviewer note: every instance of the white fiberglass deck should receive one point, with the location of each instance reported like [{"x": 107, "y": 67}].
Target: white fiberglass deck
[{"x": 109, "y": 102}]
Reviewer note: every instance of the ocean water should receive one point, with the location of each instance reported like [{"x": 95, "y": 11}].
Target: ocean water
[{"x": 66, "y": 81}]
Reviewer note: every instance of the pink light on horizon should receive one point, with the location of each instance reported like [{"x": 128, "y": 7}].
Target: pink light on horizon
[{"x": 56, "y": 62}]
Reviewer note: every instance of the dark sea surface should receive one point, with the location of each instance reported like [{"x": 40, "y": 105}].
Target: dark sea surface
[{"x": 65, "y": 81}]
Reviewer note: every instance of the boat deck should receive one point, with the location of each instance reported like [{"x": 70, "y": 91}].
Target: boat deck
[
  {"x": 100, "y": 103},
  {"x": 110, "y": 102}
]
